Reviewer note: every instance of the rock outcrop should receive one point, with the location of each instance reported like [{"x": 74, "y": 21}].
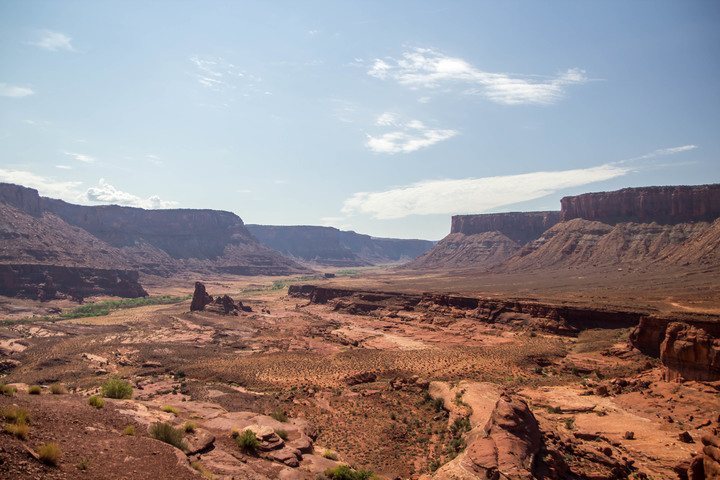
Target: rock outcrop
[
  {"x": 200, "y": 297},
  {"x": 223, "y": 305},
  {"x": 508, "y": 450},
  {"x": 690, "y": 353},
  {"x": 328, "y": 246},
  {"x": 711, "y": 457}
]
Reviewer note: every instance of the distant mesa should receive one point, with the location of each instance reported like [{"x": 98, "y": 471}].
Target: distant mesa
[
  {"x": 674, "y": 225},
  {"x": 103, "y": 249},
  {"x": 330, "y": 247}
]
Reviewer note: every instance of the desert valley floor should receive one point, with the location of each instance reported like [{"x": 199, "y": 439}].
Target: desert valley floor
[{"x": 366, "y": 372}]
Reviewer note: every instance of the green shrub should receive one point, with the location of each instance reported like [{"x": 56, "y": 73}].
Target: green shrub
[
  {"x": 170, "y": 409},
  {"x": 189, "y": 427},
  {"x": 438, "y": 404},
  {"x": 282, "y": 434},
  {"x": 461, "y": 424},
  {"x": 96, "y": 402},
  {"x": 116, "y": 388},
  {"x": 279, "y": 415},
  {"x": 49, "y": 453},
  {"x": 247, "y": 441},
  {"x": 552, "y": 409},
  {"x": 57, "y": 389},
  {"x": 34, "y": 390},
  {"x": 168, "y": 434},
  {"x": 343, "y": 472},
  {"x": 129, "y": 430}
]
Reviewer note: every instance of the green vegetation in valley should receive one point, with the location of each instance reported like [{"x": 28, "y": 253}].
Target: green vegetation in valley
[{"x": 99, "y": 309}]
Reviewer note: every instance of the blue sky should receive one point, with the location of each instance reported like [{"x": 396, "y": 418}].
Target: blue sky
[{"x": 381, "y": 117}]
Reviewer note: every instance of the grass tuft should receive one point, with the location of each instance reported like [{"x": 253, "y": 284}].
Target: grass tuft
[
  {"x": 58, "y": 389},
  {"x": 35, "y": 390},
  {"x": 129, "y": 430},
  {"x": 189, "y": 427},
  {"x": 279, "y": 415},
  {"x": 197, "y": 465},
  {"x": 96, "y": 402},
  {"x": 282, "y": 434},
  {"x": 168, "y": 434},
  {"x": 8, "y": 390},
  {"x": 170, "y": 409},
  {"x": 330, "y": 455},
  {"x": 49, "y": 453}
]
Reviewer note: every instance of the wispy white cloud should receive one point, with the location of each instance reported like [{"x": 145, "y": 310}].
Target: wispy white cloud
[
  {"x": 46, "y": 186},
  {"x": 13, "y": 91},
  {"x": 406, "y": 137},
  {"x": 426, "y": 68},
  {"x": 54, "y": 41},
  {"x": 665, "y": 151},
  {"x": 80, "y": 157},
  {"x": 64, "y": 167},
  {"x": 107, "y": 194},
  {"x": 472, "y": 195}
]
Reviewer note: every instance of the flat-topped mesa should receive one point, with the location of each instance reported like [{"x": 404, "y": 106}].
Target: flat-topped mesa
[
  {"x": 181, "y": 233},
  {"x": 520, "y": 227},
  {"x": 671, "y": 204}
]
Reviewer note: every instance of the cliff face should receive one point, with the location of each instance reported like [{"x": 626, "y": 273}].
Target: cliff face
[
  {"x": 672, "y": 204},
  {"x": 329, "y": 246},
  {"x": 520, "y": 227},
  {"x": 485, "y": 240}
]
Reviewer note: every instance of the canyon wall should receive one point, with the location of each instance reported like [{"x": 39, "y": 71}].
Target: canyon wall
[
  {"x": 328, "y": 246},
  {"x": 672, "y": 204},
  {"x": 521, "y": 227}
]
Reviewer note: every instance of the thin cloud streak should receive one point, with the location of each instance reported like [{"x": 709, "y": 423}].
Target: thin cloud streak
[
  {"x": 407, "y": 136},
  {"x": 54, "y": 41},
  {"x": 426, "y": 68},
  {"x": 14, "y": 92},
  {"x": 472, "y": 195},
  {"x": 80, "y": 157}
]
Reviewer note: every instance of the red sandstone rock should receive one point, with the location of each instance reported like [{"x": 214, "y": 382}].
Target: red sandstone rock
[
  {"x": 647, "y": 204},
  {"x": 690, "y": 353},
  {"x": 200, "y": 298}
]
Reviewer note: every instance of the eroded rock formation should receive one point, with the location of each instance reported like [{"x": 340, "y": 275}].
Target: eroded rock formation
[
  {"x": 200, "y": 297},
  {"x": 508, "y": 450},
  {"x": 690, "y": 353}
]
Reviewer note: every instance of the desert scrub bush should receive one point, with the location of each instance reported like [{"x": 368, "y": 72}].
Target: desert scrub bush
[
  {"x": 96, "y": 402},
  {"x": 279, "y": 415},
  {"x": 8, "y": 390},
  {"x": 49, "y": 453},
  {"x": 330, "y": 455},
  {"x": 197, "y": 465},
  {"x": 19, "y": 429},
  {"x": 35, "y": 390},
  {"x": 461, "y": 424},
  {"x": 282, "y": 434},
  {"x": 247, "y": 441},
  {"x": 189, "y": 427},
  {"x": 57, "y": 389},
  {"x": 129, "y": 430},
  {"x": 15, "y": 415},
  {"x": 344, "y": 472},
  {"x": 552, "y": 409},
  {"x": 170, "y": 409},
  {"x": 116, "y": 388},
  {"x": 167, "y": 433},
  {"x": 438, "y": 404}
]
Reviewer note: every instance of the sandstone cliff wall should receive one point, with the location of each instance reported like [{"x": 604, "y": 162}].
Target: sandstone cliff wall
[
  {"x": 520, "y": 227},
  {"x": 672, "y": 204}
]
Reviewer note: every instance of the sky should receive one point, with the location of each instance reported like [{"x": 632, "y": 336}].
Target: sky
[{"x": 385, "y": 118}]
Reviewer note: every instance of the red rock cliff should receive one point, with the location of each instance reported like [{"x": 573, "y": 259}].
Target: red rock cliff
[{"x": 671, "y": 204}]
